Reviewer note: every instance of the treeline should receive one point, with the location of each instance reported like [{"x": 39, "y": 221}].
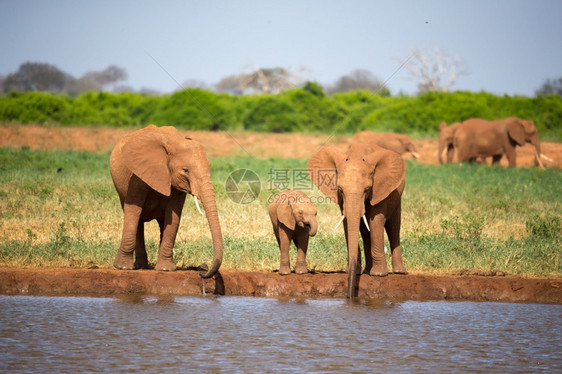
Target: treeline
[{"x": 305, "y": 109}]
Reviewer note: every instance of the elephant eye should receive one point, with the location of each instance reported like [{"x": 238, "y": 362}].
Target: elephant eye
[{"x": 186, "y": 170}]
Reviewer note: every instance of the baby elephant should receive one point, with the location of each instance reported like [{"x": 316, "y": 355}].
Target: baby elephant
[{"x": 293, "y": 216}]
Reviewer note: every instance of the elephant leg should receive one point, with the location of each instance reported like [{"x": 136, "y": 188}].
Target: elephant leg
[
  {"x": 277, "y": 236},
  {"x": 496, "y": 159},
  {"x": 301, "y": 242},
  {"x": 450, "y": 154},
  {"x": 124, "y": 258},
  {"x": 511, "y": 156},
  {"x": 161, "y": 225},
  {"x": 366, "y": 236},
  {"x": 168, "y": 234},
  {"x": 379, "y": 267},
  {"x": 392, "y": 227},
  {"x": 284, "y": 245},
  {"x": 141, "y": 258}
]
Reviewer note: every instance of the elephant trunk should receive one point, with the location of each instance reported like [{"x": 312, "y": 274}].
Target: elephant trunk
[
  {"x": 313, "y": 227},
  {"x": 210, "y": 206},
  {"x": 353, "y": 217}
]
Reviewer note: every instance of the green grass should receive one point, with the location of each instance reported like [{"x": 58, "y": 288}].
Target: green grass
[{"x": 60, "y": 209}]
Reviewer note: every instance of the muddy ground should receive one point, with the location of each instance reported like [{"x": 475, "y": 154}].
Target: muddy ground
[
  {"x": 109, "y": 282},
  {"x": 473, "y": 285}
]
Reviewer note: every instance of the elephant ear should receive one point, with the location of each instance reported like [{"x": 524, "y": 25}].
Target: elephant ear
[
  {"x": 146, "y": 156},
  {"x": 529, "y": 128},
  {"x": 285, "y": 215},
  {"x": 389, "y": 172},
  {"x": 322, "y": 170},
  {"x": 516, "y": 131}
]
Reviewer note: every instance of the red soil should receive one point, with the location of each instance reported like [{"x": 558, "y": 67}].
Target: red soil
[{"x": 219, "y": 144}]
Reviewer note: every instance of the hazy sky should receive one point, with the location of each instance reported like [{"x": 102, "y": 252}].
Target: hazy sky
[{"x": 509, "y": 46}]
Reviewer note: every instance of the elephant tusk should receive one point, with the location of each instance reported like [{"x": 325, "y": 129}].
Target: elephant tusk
[
  {"x": 416, "y": 155},
  {"x": 537, "y": 157},
  {"x": 197, "y": 205},
  {"x": 366, "y": 224},
  {"x": 546, "y": 158},
  {"x": 339, "y": 222}
]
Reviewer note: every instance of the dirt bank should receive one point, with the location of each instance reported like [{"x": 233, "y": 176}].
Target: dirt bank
[
  {"x": 109, "y": 282},
  {"x": 220, "y": 143}
]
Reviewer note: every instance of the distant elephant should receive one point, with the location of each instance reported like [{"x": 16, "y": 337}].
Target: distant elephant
[
  {"x": 365, "y": 182},
  {"x": 446, "y": 134},
  {"x": 482, "y": 138},
  {"x": 153, "y": 169},
  {"x": 399, "y": 143},
  {"x": 293, "y": 217}
]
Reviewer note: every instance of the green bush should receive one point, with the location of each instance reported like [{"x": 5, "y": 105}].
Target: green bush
[
  {"x": 40, "y": 107},
  {"x": 305, "y": 109}
]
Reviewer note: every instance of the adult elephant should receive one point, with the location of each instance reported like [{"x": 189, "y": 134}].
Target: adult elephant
[
  {"x": 153, "y": 169},
  {"x": 446, "y": 135},
  {"x": 482, "y": 138},
  {"x": 399, "y": 143},
  {"x": 365, "y": 182}
]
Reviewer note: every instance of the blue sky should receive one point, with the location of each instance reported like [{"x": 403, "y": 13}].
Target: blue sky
[{"x": 509, "y": 46}]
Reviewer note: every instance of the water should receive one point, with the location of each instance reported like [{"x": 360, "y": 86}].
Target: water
[{"x": 258, "y": 335}]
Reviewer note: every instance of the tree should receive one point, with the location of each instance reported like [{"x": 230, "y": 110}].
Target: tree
[
  {"x": 434, "y": 71},
  {"x": 230, "y": 84},
  {"x": 359, "y": 79},
  {"x": 261, "y": 80},
  {"x": 551, "y": 87},
  {"x": 78, "y": 86},
  {"x": 110, "y": 75},
  {"x": 314, "y": 88},
  {"x": 34, "y": 76},
  {"x": 193, "y": 83},
  {"x": 273, "y": 80}
]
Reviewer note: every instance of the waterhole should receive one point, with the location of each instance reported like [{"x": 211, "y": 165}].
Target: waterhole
[{"x": 260, "y": 335}]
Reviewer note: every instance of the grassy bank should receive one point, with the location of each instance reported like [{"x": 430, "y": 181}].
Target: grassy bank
[{"x": 60, "y": 209}]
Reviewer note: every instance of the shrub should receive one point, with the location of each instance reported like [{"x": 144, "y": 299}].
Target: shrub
[{"x": 299, "y": 109}]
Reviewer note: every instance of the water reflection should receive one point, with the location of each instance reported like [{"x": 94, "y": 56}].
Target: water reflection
[{"x": 237, "y": 334}]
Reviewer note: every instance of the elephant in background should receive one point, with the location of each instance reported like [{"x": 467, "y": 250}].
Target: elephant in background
[
  {"x": 446, "y": 135},
  {"x": 365, "y": 182},
  {"x": 153, "y": 169},
  {"x": 293, "y": 217},
  {"x": 399, "y": 143},
  {"x": 482, "y": 138}
]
